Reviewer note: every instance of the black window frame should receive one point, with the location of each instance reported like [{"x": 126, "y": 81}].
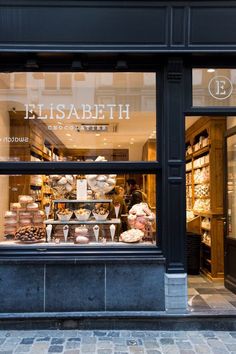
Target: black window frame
[
  {"x": 206, "y": 62},
  {"x": 98, "y": 252}
]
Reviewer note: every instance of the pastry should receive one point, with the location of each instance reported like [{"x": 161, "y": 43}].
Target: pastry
[
  {"x": 15, "y": 206},
  {"x": 30, "y": 234},
  {"x": 10, "y": 214},
  {"x": 25, "y": 199},
  {"x": 32, "y": 206},
  {"x": 82, "y": 240},
  {"x": 25, "y": 222},
  {"x": 81, "y": 230},
  {"x": 130, "y": 236},
  {"x": 10, "y": 230},
  {"x": 10, "y": 221},
  {"x": 25, "y": 215}
]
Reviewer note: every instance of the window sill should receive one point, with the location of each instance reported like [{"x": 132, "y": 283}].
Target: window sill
[{"x": 85, "y": 254}]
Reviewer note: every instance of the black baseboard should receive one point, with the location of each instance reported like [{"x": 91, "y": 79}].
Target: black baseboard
[{"x": 124, "y": 321}]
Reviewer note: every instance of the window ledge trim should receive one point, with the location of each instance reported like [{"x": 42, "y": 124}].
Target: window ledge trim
[{"x": 85, "y": 167}]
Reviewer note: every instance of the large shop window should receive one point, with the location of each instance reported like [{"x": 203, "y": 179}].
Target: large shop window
[
  {"x": 90, "y": 118},
  {"x": 214, "y": 87}
]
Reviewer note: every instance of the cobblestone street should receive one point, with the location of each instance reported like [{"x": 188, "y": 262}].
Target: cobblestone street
[{"x": 117, "y": 342}]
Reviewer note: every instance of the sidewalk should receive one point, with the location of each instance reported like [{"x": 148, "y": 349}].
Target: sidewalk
[{"x": 117, "y": 342}]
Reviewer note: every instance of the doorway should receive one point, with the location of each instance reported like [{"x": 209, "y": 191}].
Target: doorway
[{"x": 211, "y": 212}]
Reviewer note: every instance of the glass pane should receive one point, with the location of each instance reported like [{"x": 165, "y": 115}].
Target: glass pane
[
  {"x": 76, "y": 210},
  {"x": 231, "y": 186},
  {"x": 78, "y": 116},
  {"x": 214, "y": 87}
]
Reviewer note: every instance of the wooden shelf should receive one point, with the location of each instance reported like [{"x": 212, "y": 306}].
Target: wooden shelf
[
  {"x": 201, "y": 151},
  {"x": 206, "y": 244},
  {"x": 188, "y": 157},
  {"x": 77, "y": 222},
  {"x": 204, "y": 165},
  {"x": 205, "y": 228},
  {"x": 82, "y": 201},
  {"x": 202, "y": 213},
  {"x": 202, "y": 197},
  {"x": 204, "y": 182}
]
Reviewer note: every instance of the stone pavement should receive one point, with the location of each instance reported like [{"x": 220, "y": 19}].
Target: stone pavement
[{"x": 117, "y": 342}]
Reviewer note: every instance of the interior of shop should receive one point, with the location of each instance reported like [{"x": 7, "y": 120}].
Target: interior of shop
[
  {"x": 210, "y": 211},
  {"x": 82, "y": 117}
]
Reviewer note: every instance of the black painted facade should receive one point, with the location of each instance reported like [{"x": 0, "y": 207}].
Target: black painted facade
[{"x": 165, "y": 36}]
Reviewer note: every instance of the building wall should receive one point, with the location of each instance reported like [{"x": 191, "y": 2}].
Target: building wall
[{"x": 117, "y": 286}]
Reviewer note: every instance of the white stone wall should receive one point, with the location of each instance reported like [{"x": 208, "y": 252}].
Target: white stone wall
[{"x": 176, "y": 293}]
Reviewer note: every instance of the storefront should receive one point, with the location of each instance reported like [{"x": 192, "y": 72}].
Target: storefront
[{"x": 93, "y": 141}]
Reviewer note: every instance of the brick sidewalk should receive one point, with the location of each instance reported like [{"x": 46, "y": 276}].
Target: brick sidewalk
[{"x": 117, "y": 342}]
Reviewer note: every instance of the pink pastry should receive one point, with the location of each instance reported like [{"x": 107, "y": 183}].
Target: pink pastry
[
  {"x": 32, "y": 206},
  {"x": 10, "y": 214},
  {"x": 25, "y": 215},
  {"x": 9, "y": 221},
  {"x": 24, "y": 222},
  {"x": 25, "y": 199},
  {"x": 15, "y": 206}
]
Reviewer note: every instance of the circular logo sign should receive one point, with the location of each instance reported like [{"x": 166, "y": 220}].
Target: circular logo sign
[{"x": 220, "y": 87}]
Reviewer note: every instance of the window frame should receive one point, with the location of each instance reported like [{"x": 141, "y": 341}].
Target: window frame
[
  {"x": 206, "y": 63},
  {"x": 98, "y": 252}
]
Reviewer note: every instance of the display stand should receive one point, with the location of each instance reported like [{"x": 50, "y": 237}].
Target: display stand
[{"x": 74, "y": 205}]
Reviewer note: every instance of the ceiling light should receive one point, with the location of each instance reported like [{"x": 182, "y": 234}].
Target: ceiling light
[
  {"x": 210, "y": 70},
  {"x": 68, "y": 134},
  {"x": 132, "y": 139},
  {"x": 131, "y": 143},
  {"x": 119, "y": 146},
  {"x": 105, "y": 139},
  {"x": 31, "y": 64},
  {"x": 104, "y": 143},
  {"x": 154, "y": 132},
  {"x": 97, "y": 134},
  {"x": 77, "y": 64},
  {"x": 121, "y": 65}
]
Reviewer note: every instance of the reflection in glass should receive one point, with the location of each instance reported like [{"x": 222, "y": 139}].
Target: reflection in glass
[
  {"x": 214, "y": 87},
  {"x": 77, "y": 116}
]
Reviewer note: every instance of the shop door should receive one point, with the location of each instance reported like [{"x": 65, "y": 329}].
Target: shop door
[{"x": 230, "y": 209}]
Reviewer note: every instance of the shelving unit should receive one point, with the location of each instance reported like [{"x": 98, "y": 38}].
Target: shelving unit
[
  {"x": 72, "y": 223},
  {"x": 204, "y": 189},
  {"x": 32, "y": 150}
]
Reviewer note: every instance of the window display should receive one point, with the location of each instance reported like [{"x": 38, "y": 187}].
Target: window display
[
  {"x": 78, "y": 117},
  {"x": 87, "y": 117},
  {"x": 76, "y": 210}
]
